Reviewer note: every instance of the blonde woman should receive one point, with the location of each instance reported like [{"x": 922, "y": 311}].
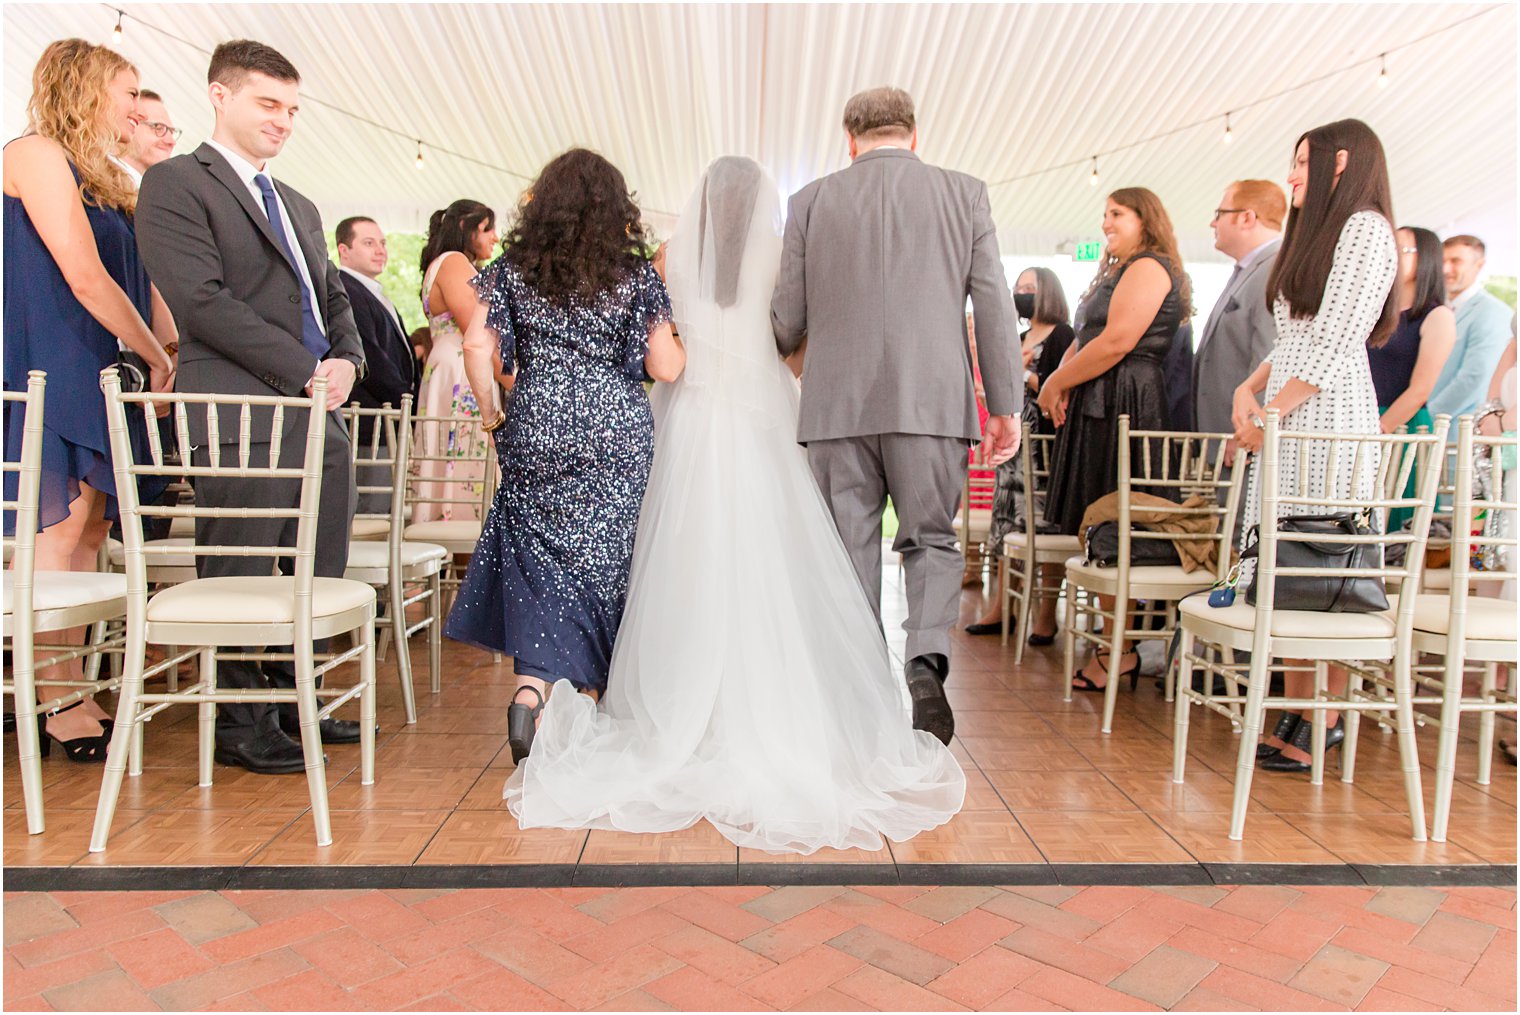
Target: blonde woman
[{"x": 74, "y": 287}]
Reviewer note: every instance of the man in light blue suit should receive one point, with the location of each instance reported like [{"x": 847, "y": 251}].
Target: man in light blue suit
[{"x": 1482, "y": 331}]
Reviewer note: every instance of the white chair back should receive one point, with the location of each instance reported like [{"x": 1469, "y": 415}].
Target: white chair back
[
  {"x": 1483, "y": 538},
  {"x": 387, "y": 447},
  {"x": 20, "y": 548},
  {"x": 439, "y": 441}
]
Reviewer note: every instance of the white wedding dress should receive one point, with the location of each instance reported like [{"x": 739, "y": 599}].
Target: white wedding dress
[{"x": 750, "y": 684}]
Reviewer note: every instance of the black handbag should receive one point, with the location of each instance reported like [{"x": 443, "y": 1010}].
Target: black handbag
[
  {"x": 1331, "y": 594},
  {"x": 1103, "y": 548},
  {"x": 133, "y": 372}
]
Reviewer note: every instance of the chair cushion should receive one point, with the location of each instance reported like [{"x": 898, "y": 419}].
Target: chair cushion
[
  {"x": 182, "y": 526},
  {"x": 981, "y": 522},
  {"x": 118, "y": 553},
  {"x": 370, "y": 528},
  {"x": 370, "y": 554},
  {"x": 257, "y": 600},
  {"x": 444, "y": 533},
  {"x": 58, "y": 590},
  {"x": 1053, "y": 542},
  {"x": 1292, "y": 623},
  {"x": 1170, "y": 574},
  {"x": 1487, "y": 619}
]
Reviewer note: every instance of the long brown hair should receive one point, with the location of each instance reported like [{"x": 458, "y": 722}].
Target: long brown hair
[
  {"x": 1156, "y": 237},
  {"x": 71, "y": 104},
  {"x": 1308, "y": 245}
]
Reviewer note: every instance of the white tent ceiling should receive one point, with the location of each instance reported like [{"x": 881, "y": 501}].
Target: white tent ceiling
[{"x": 1003, "y": 91}]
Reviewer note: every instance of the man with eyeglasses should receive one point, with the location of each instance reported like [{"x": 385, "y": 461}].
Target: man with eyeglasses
[{"x": 154, "y": 138}]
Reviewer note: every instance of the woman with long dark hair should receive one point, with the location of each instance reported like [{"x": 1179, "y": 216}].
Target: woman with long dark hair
[
  {"x": 583, "y": 315},
  {"x": 1130, "y": 315},
  {"x": 459, "y": 237},
  {"x": 1039, "y": 299},
  {"x": 1332, "y": 295}
]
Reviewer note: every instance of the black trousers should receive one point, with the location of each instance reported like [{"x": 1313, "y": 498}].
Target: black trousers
[{"x": 238, "y": 723}]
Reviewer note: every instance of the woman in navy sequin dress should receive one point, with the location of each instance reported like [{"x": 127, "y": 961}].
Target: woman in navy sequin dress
[{"x": 582, "y": 316}]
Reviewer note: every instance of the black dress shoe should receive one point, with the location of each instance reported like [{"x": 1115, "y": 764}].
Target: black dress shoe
[
  {"x": 270, "y": 754},
  {"x": 1280, "y": 762},
  {"x": 1283, "y": 731},
  {"x": 996, "y": 627},
  {"x": 334, "y": 731},
  {"x": 931, "y": 712}
]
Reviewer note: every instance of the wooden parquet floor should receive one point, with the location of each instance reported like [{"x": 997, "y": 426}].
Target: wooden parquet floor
[{"x": 1045, "y": 788}]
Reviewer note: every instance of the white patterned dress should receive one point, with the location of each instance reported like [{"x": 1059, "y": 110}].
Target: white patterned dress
[{"x": 1329, "y": 351}]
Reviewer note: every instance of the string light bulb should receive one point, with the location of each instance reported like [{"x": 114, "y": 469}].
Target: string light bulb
[
  {"x": 1228, "y": 135},
  {"x": 420, "y": 164},
  {"x": 1092, "y": 181},
  {"x": 1383, "y": 74},
  {"x": 116, "y": 32}
]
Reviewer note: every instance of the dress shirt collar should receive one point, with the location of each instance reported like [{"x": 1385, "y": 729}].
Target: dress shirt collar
[
  {"x": 127, "y": 168},
  {"x": 1257, "y": 253},
  {"x": 1467, "y": 294},
  {"x": 246, "y": 170},
  {"x": 371, "y": 284}
]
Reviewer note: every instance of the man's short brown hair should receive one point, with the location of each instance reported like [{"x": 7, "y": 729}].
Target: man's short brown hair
[
  {"x": 149, "y": 95},
  {"x": 1467, "y": 240},
  {"x": 1263, "y": 197},
  {"x": 233, "y": 61},
  {"x": 878, "y": 111}
]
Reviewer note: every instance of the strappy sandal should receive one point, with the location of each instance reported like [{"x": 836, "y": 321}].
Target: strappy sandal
[
  {"x": 1086, "y": 683},
  {"x": 521, "y": 720},
  {"x": 84, "y": 750}
]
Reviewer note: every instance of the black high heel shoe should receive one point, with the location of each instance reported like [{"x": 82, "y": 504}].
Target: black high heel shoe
[
  {"x": 1041, "y": 640},
  {"x": 1280, "y": 762},
  {"x": 996, "y": 627},
  {"x": 520, "y": 724},
  {"x": 1082, "y": 682},
  {"x": 85, "y": 750},
  {"x": 1283, "y": 731}
]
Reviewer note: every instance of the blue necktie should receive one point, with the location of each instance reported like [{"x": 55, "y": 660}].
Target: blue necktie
[{"x": 311, "y": 335}]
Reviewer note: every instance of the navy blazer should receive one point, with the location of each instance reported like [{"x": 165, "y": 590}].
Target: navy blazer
[{"x": 392, "y": 367}]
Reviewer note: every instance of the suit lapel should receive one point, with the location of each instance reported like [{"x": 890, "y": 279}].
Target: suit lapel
[
  {"x": 230, "y": 179},
  {"x": 1214, "y": 320}
]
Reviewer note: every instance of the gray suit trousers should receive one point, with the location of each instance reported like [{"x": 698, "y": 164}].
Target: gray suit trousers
[
  {"x": 240, "y": 723},
  {"x": 925, "y": 477}
]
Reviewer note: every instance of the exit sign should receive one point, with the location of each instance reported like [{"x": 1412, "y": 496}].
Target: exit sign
[{"x": 1088, "y": 251}]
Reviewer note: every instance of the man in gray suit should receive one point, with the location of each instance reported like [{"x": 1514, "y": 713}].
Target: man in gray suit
[
  {"x": 1240, "y": 332},
  {"x": 877, "y": 263},
  {"x": 242, "y": 264}
]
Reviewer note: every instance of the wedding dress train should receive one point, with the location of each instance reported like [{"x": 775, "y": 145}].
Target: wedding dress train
[{"x": 750, "y": 684}]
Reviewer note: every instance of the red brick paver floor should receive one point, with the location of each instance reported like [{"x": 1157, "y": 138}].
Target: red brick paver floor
[{"x": 750, "y": 948}]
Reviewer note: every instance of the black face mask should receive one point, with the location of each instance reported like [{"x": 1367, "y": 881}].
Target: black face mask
[{"x": 1024, "y": 304}]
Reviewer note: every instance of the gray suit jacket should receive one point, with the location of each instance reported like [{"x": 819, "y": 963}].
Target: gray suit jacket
[
  {"x": 877, "y": 263},
  {"x": 1238, "y": 336},
  {"x": 211, "y": 251}
]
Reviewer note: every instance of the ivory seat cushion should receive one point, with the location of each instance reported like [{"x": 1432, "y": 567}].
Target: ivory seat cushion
[
  {"x": 981, "y": 522},
  {"x": 252, "y": 600},
  {"x": 1053, "y": 542},
  {"x": 1487, "y": 619},
  {"x": 370, "y": 528},
  {"x": 445, "y": 533},
  {"x": 61, "y": 590},
  {"x": 1291, "y": 623},
  {"x": 370, "y": 554},
  {"x": 118, "y": 553}
]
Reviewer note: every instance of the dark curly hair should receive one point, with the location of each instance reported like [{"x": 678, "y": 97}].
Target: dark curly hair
[
  {"x": 454, "y": 228},
  {"x": 578, "y": 232}
]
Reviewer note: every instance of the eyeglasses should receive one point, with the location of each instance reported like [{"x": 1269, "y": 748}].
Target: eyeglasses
[
  {"x": 1227, "y": 211},
  {"x": 160, "y": 129}
]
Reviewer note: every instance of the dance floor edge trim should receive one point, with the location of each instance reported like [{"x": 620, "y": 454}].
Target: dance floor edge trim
[{"x": 454, "y": 876}]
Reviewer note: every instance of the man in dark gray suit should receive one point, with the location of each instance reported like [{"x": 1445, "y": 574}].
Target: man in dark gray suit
[
  {"x": 877, "y": 263},
  {"x": 242, "y": 264}
]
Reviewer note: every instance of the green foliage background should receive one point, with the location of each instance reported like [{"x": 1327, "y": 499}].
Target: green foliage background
[
  {"x": 1502, "y": 286},
  {"x": 402, "y": 277}
]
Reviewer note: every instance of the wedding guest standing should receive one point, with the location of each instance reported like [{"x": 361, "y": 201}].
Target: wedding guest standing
[
  {"x": 582, "y": 316},
  {"x": 1039, "y": 299},
  {"x": 392, "y": 367},
  {"x": 1405, "y": 367},
  {"x": 1482, "y": 330},
  {"x": 1332, "y": 292},
  {"x": 153, "y": 138},
  {"x": 1130, "y": 316},
  {"x": 75, "y": 287},
  {"x": 244, "y": 268},
  {"x": 459, "y": 237}
]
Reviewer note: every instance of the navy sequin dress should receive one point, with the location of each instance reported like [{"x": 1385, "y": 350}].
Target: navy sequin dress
[{"x": 549, "y": 577}]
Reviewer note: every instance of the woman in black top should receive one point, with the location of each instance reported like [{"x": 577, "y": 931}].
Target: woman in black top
[
  {"x": 1130, "y": 315},
  {"x": 1039, "y": 299}
]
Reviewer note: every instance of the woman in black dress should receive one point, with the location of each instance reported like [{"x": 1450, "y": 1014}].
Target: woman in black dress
[
  {"x": 1130, "y": 314},
  {"x": 1039, "y": 299},
  {"x": 584, "y": 318}
]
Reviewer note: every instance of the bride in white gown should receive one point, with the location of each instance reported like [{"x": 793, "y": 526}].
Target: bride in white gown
[{"x": 750, "y": 684}]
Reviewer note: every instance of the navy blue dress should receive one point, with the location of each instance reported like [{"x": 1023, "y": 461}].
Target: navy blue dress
[
  {"x": 549, "y": 576},
  {"x": 47, "y": 328}
]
